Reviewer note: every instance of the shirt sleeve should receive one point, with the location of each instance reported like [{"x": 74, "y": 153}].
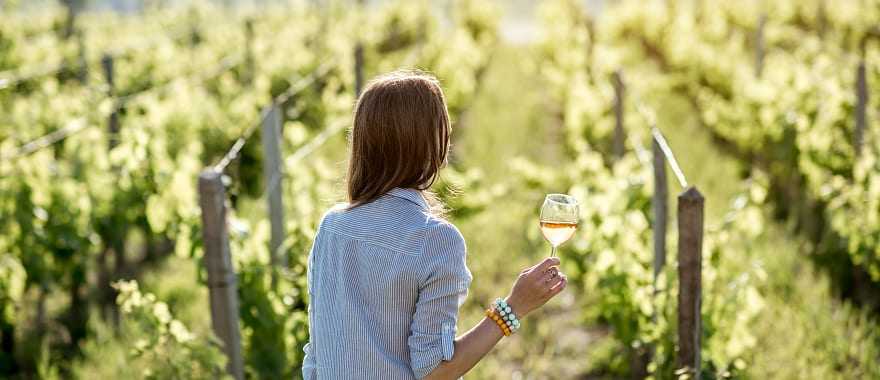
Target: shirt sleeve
[
  {"x": 310, "y": 362},
  {"x": 310, "y": 366},
  {"x": 441, "y": 293}
]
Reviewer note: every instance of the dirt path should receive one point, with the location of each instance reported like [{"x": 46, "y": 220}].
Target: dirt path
[{"x": 507, "y": 121}]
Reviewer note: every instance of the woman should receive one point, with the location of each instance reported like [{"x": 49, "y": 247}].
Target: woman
[{"x": 387, "y": 273}]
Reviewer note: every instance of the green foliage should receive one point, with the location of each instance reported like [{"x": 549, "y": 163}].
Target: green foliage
[
  {"x": 797, "y": 119},
  {"x": 610, "y": 261},
  {"x": 86, "y": 209},
  {"x": 12, "y": 281},
  {"x": 611, "y": 253},
  {"x": 68, "y": 211},
  {"x": 162, "y": 345}
]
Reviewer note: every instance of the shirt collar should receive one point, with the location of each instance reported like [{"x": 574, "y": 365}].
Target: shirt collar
[{"x": 411, "y": 195}]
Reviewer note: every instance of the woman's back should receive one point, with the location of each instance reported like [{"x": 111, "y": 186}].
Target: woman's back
[
  {"x": 386, "y": 279},
  {"x": 386, "y": 276}
]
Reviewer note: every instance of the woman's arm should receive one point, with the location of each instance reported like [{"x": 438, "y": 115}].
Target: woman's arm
[
  {"x": 535, "y": 286},
  {"x": 469, "y": 349}
]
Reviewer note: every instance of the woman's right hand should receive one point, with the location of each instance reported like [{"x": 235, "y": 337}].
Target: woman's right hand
[{"x": 535, "y": 286}]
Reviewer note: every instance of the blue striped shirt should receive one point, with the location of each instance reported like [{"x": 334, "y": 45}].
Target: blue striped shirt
[{"x": 385, "y": 280}]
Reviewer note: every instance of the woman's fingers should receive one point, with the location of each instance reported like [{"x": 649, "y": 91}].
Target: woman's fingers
[
  {"x": 552, "y": 282},
  {"x": 550, "y": 274},
  {"x": 559, "y": 285},
  {"x": 542, "y": 266},
  {"x": 537, "y": 285},
  {"x": 547, "y": 263}
]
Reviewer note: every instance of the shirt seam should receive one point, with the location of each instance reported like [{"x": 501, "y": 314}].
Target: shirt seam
[{"x": 380, "y": 245}]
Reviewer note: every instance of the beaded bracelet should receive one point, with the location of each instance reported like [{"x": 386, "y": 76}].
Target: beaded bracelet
[
  {"x": 507, "y": 314},
  {"x": 491, "y": 314},
  {"x": 503, "y": 315}
]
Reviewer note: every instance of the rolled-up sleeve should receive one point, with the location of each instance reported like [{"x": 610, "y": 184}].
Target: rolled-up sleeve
[{"x": 441, "y": 293}]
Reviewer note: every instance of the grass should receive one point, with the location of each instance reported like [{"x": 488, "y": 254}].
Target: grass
[{"x": 805, "y": 332}]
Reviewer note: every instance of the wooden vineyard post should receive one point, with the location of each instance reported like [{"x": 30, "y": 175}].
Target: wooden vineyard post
[
  {"x": 861, "y": 106},
  {"x": 70, "y": 19},
  {"x": 359, "y": 59},
  {"x": 271, "y": 135},
  {"x": 118, "y": 240},
  {"x": 218, "y": 262},
  {"x": 113, "y": 120},
  {"x": 249, "y": 50},
  {"x": 661, "y": 207},
  {"x": 82, "y": 73},
  {"x": 358, "y": 68},
  {"x": 195, "y": 37},
  {"x": 759, "y": 46},
  {"x": 619, "y": 135},
  {"x": 690, "y": 250}
]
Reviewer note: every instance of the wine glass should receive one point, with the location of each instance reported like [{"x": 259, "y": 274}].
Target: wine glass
[{"x": 559, "y": 219}]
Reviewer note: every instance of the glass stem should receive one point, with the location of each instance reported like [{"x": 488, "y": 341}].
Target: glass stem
[{"x": 552, "y": 250}]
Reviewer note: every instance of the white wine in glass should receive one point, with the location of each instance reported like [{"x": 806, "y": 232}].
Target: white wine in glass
[{"x": 559, "y": 219}]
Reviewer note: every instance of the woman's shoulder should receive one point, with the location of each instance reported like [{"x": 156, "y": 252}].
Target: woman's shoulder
[
  {"x": 332, "y": 211},
  {"x": 445, "y": 250},
  {"x": 442, "y": 233},
  {"x": 336, "y": 208},
  {"x": 441, "y": 225}
]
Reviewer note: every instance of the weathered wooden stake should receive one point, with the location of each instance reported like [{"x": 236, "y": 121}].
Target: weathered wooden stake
[
  {"x": 116, "y": 242},
  {"x": 619, "y": 133},
  {"x": 759, "y": 46},
  {"x": 690, "y": 250},
  {"x": 221, "y": 276},
  {"x": 195, "y": 37},
  {"x": 358, "y": 68},
  {"x": 271, "y": 135},
  {"x": 861, "y": 107},
  {"x": 661, "y": 207},
  {"x": 113, "y": 120},
  {"x": 249, "y": 49},
  {"x": 70, "y": 20},
  {"x": 82, "y": 74},
  {"x": 698, "y": 9}
]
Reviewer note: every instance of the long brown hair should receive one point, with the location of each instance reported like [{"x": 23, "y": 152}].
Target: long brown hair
[{"x": 400, "y": 137}]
